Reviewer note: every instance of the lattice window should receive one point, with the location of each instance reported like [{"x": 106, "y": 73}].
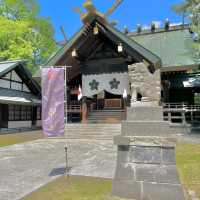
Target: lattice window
[
  {"x": 39, "y": 112},
  {"x": 17, "y": 113},
  {"x": 23, "y": 113},
  {"x": 11, "y": 113},
  {"x": 29, "y": 113}
]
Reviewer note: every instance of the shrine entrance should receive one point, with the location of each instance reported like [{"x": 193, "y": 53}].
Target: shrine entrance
[
  {"x": 107, "y": 101},
  {"x": 103, "y": 92}
]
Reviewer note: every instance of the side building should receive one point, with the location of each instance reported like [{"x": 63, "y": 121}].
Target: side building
[{"x": 20, "y": 97}]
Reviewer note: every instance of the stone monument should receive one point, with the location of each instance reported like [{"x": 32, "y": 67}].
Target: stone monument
[{"x": 146, "y": 164}]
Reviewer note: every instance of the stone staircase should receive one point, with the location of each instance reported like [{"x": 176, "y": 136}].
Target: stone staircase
[
  {"x": 106, "y": 116},
  {"x": 92, "y": 131}
]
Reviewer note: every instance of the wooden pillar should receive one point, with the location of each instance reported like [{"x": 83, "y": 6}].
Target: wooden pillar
[{"x": 84, "y": 110}]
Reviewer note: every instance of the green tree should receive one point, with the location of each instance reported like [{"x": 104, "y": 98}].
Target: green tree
[
  {"x": 191, "y": 10},
  {"x": 23, "y": 34}
]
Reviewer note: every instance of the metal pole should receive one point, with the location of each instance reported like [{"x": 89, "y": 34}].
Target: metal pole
[
  {"x": 66, "y": 117},
  {"x": 65, "y": 98},
  {"x": 67, "y": 167}
]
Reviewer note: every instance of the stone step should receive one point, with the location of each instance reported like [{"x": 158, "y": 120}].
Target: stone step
[
  {"x": 105, "y": 116},
  {"x": 95, "y": 134},
  {"x": 92, "y": 131},
  {"x": 88, "y": 138},
  {"x": 94, "y": 127},
  {"x": 106, "y": 112},
  {"x": 108, "y": 120}
]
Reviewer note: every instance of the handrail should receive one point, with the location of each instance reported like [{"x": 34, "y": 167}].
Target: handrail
[
  {"x": 74, "y": 108},
  {"x": 178, "y": 107},
  {"x": 182, "y": 112}
]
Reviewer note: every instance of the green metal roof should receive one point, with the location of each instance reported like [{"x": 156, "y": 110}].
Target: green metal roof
[{"x": 173, "y": 47}]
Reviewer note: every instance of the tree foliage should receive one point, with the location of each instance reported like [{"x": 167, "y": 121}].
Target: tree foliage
[
  {"x": 191, "y": 10},
  {"x": 23, "y": 34}
]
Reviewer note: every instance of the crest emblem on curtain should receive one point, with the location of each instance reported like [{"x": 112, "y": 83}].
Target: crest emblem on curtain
[
  {"x": 94, "y": 85},
  {"x": 114, "y": 84}
]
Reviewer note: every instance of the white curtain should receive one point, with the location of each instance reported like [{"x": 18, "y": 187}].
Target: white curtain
[{"x": 114, "y": 83}]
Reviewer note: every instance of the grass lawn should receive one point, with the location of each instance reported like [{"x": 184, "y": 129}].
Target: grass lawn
[
  {"x": 75, "y": 188},
  {"x": 9, "y": 139},
  {"x": 188, "y": 163}
]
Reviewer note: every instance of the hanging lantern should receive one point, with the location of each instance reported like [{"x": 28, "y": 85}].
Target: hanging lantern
[
  {"x": 120, "y": 48},
  {"x": 96, "y": 30},
  {"x": 74, "y": 53}
]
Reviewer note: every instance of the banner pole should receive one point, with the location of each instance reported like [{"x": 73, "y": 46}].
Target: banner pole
[{"x": 66, "y": 114}]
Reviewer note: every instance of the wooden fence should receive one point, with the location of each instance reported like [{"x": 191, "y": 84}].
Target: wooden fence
[{"x": 181, "y": 113}]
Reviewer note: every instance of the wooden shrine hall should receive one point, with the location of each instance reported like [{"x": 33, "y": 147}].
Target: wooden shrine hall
[{"x": 99, "y": 56}]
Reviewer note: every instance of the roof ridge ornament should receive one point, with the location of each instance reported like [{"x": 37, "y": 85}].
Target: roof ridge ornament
[{"x": 92, "y": 11}]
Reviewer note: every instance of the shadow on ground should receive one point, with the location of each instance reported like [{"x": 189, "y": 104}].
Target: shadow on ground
[{"x": 59, "y": 171}]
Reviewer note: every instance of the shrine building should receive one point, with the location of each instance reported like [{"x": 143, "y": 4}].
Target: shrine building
[
  {"x": 100, "y": 55},
  {"x": 20, "y": 97}
]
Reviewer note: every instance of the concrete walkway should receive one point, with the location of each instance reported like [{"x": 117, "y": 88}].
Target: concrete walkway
[{"x": 26, "y": 167}]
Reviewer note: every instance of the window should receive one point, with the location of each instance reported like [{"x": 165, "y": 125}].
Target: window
[
  {"x": 28, "y": 112},
  {"x": 17, "y": 113},
  {"x": 39, "y": 112},
  {"x": 11, "y": 113},
  {"x": 23, "y": 113},
  {"x": 20, "y": 113}
]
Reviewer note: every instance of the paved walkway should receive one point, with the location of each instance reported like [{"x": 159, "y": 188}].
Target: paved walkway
[{"x": 26, "y": 167}]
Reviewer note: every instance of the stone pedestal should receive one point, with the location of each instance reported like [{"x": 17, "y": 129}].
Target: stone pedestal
[{"x": 146, "y": 165}]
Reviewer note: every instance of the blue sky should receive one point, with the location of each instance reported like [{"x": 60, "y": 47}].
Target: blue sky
[{"x": 130, "y": 13}]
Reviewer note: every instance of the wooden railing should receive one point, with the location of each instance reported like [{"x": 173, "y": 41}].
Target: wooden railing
[
  {"x": 182, "y": 113},
  {"x": 74, "y": 108}
]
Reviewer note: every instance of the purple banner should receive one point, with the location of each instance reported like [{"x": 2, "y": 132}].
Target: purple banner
[{"x": 53, "y": 101}]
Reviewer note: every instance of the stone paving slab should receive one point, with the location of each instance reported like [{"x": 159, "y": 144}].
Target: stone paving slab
[{"x": 28, "y": 166}]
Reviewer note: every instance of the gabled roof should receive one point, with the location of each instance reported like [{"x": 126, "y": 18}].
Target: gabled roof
[
  {"x": 25, "y": 75},
  {"x": 134, "y": 49},
  {"x": 174, "y": 47},
  {"x": 140, "y": 51},
  {"x": 7, "y": 66}
]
